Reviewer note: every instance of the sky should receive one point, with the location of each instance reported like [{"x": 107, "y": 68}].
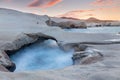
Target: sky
[{"x": 82, "y": 9}]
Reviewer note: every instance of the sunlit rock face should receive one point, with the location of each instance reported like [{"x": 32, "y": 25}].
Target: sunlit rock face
[{"x": 42, "y": 56}]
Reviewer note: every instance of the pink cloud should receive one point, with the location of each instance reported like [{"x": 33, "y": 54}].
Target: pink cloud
[
  {"x": 103, "y": 2},
  {"x": 90, "y": 15},
  {"x": 78, "y": 13},
  {"x": 82, "y": 11},
  {"x": 43, "y": 3}
]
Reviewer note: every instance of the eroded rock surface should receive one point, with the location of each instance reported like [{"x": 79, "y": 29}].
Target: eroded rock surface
[
  {"x": 105, "y": 62},
  {"x": 6, "y": 62},
  {"x": 87, "y": 56},
  {"x": 2, "y": 68},
  {"x": 13, "y": 37}
]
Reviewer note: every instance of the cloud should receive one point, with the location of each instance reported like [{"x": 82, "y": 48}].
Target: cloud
[
  {"x": 5, "y": 0},
  {"x": 43, "y": 3},
  {"x": 90, "y": 15},
  {"x": 103, "y": 2},
  {"x": 78, "y": 13},
  {"x": 81, "y": 11},
  {"x": 37, "y": 3}
]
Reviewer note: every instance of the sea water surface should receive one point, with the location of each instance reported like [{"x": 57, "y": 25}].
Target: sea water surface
[
  {"x": 104, "y": 29},
  {"x": 42, "y": 56}
]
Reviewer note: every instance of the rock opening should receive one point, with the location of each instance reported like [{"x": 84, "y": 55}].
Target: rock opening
[{"x": 42, "y": 56}]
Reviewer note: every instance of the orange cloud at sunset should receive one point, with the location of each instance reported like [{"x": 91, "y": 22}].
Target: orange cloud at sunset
[
  {"x": 100, "y": 13},
  {"x": 82, "y": 9},
  {"x": 52, "y": 3},
  {"x": 103, "y": 2},
  {"x": 43, "y": 3},
  {"x": 78, "y": 13}
]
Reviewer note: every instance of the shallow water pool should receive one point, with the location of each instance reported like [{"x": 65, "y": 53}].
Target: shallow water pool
[{"x": 42, "y": 56}]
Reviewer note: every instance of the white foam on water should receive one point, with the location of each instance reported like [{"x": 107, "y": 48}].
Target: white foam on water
[
  {"x": 42, "y": 56},
  {"x": 112, "y": 29},
  {"x": 113, "y": 40}
]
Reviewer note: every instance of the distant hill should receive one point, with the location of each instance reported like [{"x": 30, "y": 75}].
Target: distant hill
[{"x": 92, "y": 19}]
